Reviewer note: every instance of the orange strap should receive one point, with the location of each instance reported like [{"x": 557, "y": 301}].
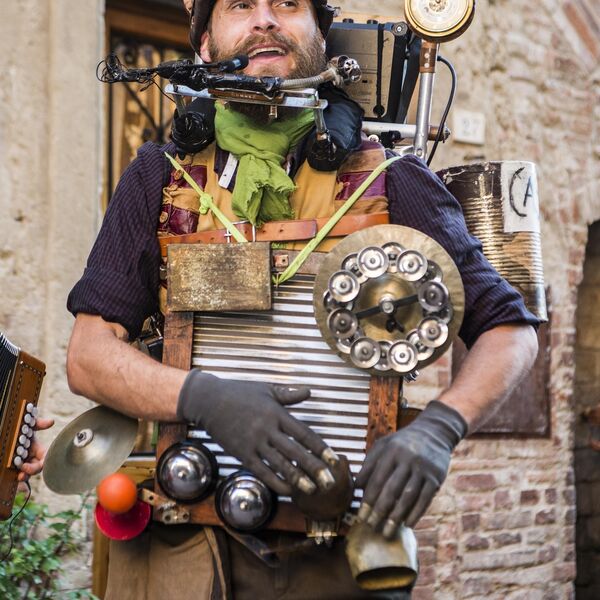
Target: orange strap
[{"x": 278, "y": 231}]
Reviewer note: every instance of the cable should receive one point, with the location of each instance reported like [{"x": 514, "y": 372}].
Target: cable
[
  {"x": 442, "y": 124},
  {"x": 12, "y": 520}
]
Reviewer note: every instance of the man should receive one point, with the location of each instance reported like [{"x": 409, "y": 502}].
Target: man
[{"x": 118, "y": 291}]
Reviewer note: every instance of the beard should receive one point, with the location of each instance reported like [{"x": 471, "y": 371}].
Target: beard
[{"x": 310, "y": 60}]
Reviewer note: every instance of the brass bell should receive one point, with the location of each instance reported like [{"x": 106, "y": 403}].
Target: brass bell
[{"x": 380, "y": 564}]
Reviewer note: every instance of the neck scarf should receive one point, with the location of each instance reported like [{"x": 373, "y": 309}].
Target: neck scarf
[{"x": 262, "y": 187}]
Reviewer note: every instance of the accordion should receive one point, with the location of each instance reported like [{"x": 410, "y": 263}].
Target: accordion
[{"x": 21, "y": 378}]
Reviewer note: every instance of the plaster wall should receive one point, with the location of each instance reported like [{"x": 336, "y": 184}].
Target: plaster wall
[{"x": 50, "y": 166}]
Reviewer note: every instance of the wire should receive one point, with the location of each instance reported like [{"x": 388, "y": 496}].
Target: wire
[
  {"x": 442, "y": 124},
  {"x": 12, "y": 520}
]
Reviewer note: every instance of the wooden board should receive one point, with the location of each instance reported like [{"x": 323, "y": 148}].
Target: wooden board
[{"x": 219, "y": 277}]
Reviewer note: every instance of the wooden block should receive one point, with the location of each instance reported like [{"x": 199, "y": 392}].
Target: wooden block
[{"x": 219, "y": 277}]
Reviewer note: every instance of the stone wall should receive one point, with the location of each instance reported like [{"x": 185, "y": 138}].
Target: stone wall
[{"x": 503, "y": 525}]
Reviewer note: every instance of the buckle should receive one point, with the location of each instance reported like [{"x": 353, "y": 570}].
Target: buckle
[{"x": 227, "y": 235}]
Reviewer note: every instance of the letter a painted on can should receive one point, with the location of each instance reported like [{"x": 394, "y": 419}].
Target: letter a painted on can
[{"x": 520, "y": 203}]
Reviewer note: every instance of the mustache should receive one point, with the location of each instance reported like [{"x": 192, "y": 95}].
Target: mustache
[{"x": 274, "y": 38}]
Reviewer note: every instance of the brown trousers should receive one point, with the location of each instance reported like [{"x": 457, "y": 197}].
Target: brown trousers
[{"x": 187, "y": 563}]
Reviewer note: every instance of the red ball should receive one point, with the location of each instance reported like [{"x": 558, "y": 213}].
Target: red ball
[{"x": 117, "y": 493}]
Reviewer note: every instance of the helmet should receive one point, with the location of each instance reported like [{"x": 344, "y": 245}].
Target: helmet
[{"x": 201, "y": 10}]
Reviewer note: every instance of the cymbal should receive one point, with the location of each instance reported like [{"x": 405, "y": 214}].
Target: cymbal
[
  {"x": 92, "y": 446},
  {"x": 390, "y": 284}
]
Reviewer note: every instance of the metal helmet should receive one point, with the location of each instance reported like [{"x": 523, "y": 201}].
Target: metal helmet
[{"x": 201, "y": 10}]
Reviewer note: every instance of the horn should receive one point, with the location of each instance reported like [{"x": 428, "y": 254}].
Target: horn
[{"x": 380, "y": 564}]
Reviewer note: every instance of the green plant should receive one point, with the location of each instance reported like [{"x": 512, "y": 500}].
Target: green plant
[{"x": 40, "y": 541}]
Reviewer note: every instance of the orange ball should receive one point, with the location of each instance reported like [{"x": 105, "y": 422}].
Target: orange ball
[{"x": 117, "y": 493}]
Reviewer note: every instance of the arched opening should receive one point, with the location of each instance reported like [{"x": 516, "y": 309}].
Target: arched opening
[{"x": 587, "y": 423}]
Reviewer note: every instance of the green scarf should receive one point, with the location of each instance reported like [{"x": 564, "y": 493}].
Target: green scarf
[{"x": 262, "y": 187}]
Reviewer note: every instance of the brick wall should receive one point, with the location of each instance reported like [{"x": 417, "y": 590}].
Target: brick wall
[{"x": 503, "y": 525}]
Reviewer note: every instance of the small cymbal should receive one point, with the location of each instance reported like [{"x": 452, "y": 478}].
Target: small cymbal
[
  {"x": 387, "y": 303},
  {"x": 88, "y": 449}
]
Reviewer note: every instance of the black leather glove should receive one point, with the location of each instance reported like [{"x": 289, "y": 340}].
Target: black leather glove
[
  {"x": 249, "y": 421},
  {"x": 404, "y": 470}
]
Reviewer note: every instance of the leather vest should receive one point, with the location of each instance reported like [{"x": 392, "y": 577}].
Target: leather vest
[{"x": 318, "y": 194}]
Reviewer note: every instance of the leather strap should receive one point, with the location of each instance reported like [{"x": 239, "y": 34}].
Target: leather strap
[{"x": 278, "y": 231}]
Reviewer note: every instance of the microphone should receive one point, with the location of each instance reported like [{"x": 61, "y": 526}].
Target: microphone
[{"x": 234, "y": 64}]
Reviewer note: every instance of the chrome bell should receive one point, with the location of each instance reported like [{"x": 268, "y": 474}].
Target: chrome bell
[
  {"x": 350, "y": 264},
  {"x": 365, "y": 353},
  {"x": 433, "y": 296},
  {"x": 403, "y": 357},
  {"x": 423, "y": 352},
  {"x": 412, "y": 265},
  {"x": 342, "y": 323},
  {"x": 244, "y": 502},
  {"x": 343, "y": 286},
  {"x": 372, "y": 261},
  {"x": 433, "y": 332},
  {"x": 187, "y": 472},
  {"x": 393, "y": 250}
]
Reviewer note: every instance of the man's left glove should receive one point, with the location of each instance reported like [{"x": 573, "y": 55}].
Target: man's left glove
[{"x": 404, "y": 470}]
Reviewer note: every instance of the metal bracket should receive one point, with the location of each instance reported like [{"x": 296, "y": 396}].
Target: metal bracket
[
  {"x": 166, "y": 511},
  {"x": 322, "y": 532}
]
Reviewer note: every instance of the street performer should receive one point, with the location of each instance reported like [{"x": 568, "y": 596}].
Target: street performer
[{"x": 121, "y": 287}]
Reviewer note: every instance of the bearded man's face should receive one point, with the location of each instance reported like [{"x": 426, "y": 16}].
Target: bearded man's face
[{"x": 280, "y": 37}]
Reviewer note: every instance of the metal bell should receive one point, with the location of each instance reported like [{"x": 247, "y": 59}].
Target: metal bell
[
  {"x": 365, "y": 353},
  {"x": 403, "y": 357},
  {"x": 372, "y": 261},
  {"x": 433, "y": 296},
  {"x": 423, "y": 352},
  {"x": 244, "y": 502},
  {"x": 187, "y": 472},
  {"x": 412, "y": 265},
  {"x": 393, "y": 250},
  {"x": 351, "y": 264},
  {"x": 380, "y": 564},
  {"x": 342, "y": 323},
  {"x": 383, "y": 364},
  {"x": 343, "y": 286},
  {"x": 433, "y": 332}
]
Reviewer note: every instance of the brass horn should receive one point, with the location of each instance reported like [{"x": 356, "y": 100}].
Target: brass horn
[{"x": 380, "y": 564}]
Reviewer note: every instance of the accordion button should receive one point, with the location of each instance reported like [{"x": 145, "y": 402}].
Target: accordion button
[
  {"x": 18, "y": 462},
  {"x": 29, "y": 420},
  {"x": 22, "y": 439},
  {"x": 29, "y": 408},
  {"x": 21, "y": 452},
  {"x": 27, "y": 443},
  {"x": 26, "y": 430},
  {"x": 34, "y": 411}
]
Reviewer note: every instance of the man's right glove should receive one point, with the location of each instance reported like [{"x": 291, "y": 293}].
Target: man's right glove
[{"x": 249, "y": 421}]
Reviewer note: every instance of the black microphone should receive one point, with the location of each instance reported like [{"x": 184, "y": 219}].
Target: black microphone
[{"x": 234, "y": 64}]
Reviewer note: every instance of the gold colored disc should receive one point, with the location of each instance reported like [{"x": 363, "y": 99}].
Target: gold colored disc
[
  {"x": 439, "y": 20},
  {"x": 390, "y": 285},
  {"x": 88, "y": 449}
]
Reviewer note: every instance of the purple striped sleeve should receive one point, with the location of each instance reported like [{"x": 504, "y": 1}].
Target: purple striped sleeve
[{"x": 120, "y": 281}]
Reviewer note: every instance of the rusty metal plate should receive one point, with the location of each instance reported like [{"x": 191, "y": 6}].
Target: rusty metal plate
[{"x": 218, "y": 277}]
